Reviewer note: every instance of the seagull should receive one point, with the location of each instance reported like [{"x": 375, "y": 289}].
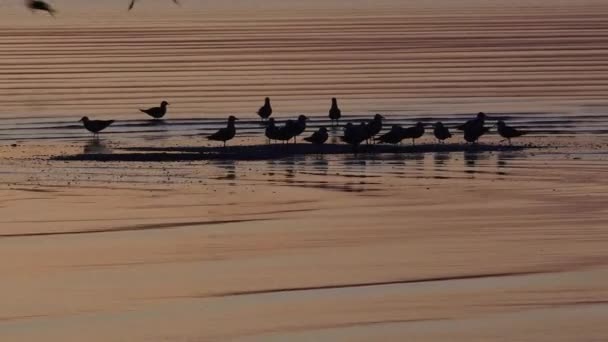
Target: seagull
[
  {"x": 225, "y": 134},
  {"x": 95, "y": 126},
  {"x": 41, "y": 6},
  {"x": 479, "y": 120},
  {"x": 473, "y": 133},
  {"x": 414, "y": 132},
  {"x": 354, "y": 135},
  {"x": 294, "y": 128},
  {"x": 507, "y": 131},
  {"x": 374, "y": 126},
  {"x": 319, "y": 137},
  {"x": 272, "y": 131},
  {"x": 266, "y": 110},
  {"x": 441, "y": 132},
  {"x": 394, "y": 136},
  {"x": 334, "y": 112},
  {"x": 156, "y": 112},
  {"x": 133, "y": 4}
]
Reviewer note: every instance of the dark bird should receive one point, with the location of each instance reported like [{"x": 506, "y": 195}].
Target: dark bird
[
  {"x": 319, "y": 137},
  {"x": 266, "y": 110},
  {"x": 95, "y": 126},
  {"x": 354, "y": 135},
  {"x": 473, "y": 133},
  {"x": 294, "y": 128},
  {"x": 334, "y": 112},
  {"x": 394, "y": 136},
  {"x": 272, "y": 131},
  {"x": 157, "y": 112},
  {"x": 414, "y": 132},
  {"x": 374, "y": 126},
  {"x": 133, "y": 4},
  {"x": 40, "y": 6},
  {"x": 479, "y": 120},
  {"x": 441, "y": 132},
  {"x": 508, "y": 132},
  {"x": 225, "y": 134}
]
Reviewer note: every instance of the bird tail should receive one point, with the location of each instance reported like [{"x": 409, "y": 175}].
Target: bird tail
[{"x": 309, "y": 139}]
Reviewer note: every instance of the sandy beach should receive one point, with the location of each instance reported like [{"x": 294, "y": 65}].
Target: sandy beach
[{"x": 153, "y": 233}]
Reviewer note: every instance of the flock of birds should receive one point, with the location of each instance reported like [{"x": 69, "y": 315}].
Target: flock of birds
[
  {"x": 41, "y": 5},
  {"x": 354, "y": 134}
]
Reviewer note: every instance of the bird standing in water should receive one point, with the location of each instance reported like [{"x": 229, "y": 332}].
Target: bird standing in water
[
  {"x": 133, "y": 4},
  {"x": 508, "y": 132},
  {"x": 354, "y": 135},
  {"x": 374, "y": 127},
  {"x": 441, "y": 132},
  {"x": 334, "y": 112},
  {"x": 266, "y": 110},
  {"x": 40, "y": 6},
  {"x": 394, "y": 136},
  {"x": 414, "y": 132},
  {"x": 225, "y": 134},
  {"x": 294, "y": 128},
  {"x": 272, "y": 131},
  {"x": 478, "y": 121},
  {"x": 95, "y": 126},
  {"x": 319, "y": 137},
  {"x": 157, "y": 112}
]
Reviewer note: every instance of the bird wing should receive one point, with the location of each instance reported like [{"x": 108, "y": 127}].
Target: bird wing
[
  {"x": 131, "y": 5},
  {"x": 218, "y": 135}
]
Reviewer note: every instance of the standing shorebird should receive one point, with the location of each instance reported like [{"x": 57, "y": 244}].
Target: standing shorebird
[
  {"x": 441, "y": 132},
  {"x": 414, "y": 132},
  {"x": 319, "y": 137},
  {"x": 95, "y": 126},
  {"x": 354, "y": 135},
  {"x": 266, "y": 110},
  {"x": 334, "y": 112},
  {"x": 40, "y": 6},
  {"x": 473, "y": 133},
  {"x": 394, "y": 136},
  {"x": 294, "y": 128},
  {"x": 225, "y": 134},
  {"x": 478, "y": 121},
  {"x": 272, "y": 131},
  {"x": 374, "y": 127},
  {"x": 133, "y": 4},
  {"x": 156, "y": 112},
  {"x": 508, "y": 132}
]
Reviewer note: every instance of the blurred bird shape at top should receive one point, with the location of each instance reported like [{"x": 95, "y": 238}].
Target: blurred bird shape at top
[
  {"x": 266, "y": 110},
  {"x": 225, "y": 134},
  {"x": 334, "y": 112},
  {"x": 508, "y": 132},
  {"x": 133, "y": 3},
  {"x": 40, "y": 6},
  {"x": 319, "y": 137},
  {"x": 441, "y": 132},
  {"x": 95, "y": 126},
  {"x": 157, "y": 112}
]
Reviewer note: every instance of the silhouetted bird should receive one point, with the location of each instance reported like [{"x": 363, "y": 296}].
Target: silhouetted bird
[
  {"x": 507, "y": 131},
  {"x": 272, "y": 131},
  {"x": 479, "y": 120},
  {"x": 473, "y": 133},
  {"x": 354, "y": 135},
  {"x": 414, "y": 132},
  {"x": 334, "y": 112},
  {"x": 294, "y": 128},
  {"x": 40, "y": 6},
  {"x": 441, "y": 132},
  {"x": 157, "y": 112},
  {"x": 133, "y": 3},
  {"x": 95, "y": 126},
  {"x": 266, "y": 110},
  {"x": 394, "y": 136},
  {"x": 225, "y": 134},
  {"x": 319, "y": 137},
  {"x": 374, "y": 126}
]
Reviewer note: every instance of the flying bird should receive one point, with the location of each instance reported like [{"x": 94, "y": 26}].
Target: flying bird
[
  {"x": 40, "y": 6},
  {"x": 133, "y": 4},
  {"x": 95, "y": 126},
  {"x": 441, "y": 132},
  {"x": 334, "y": 112},
  {"x": 157, "y": 112},
  {"x": 508, "y": 132},
  {"x": 266, "y": 110},
  {"x": 319, "y": 137},
  {"x": 225, "y": 134}
]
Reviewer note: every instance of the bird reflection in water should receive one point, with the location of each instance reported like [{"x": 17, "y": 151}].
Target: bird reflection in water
[
  {"x": 228, "y": 166},
  {"x": 96, "y": 146}
]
